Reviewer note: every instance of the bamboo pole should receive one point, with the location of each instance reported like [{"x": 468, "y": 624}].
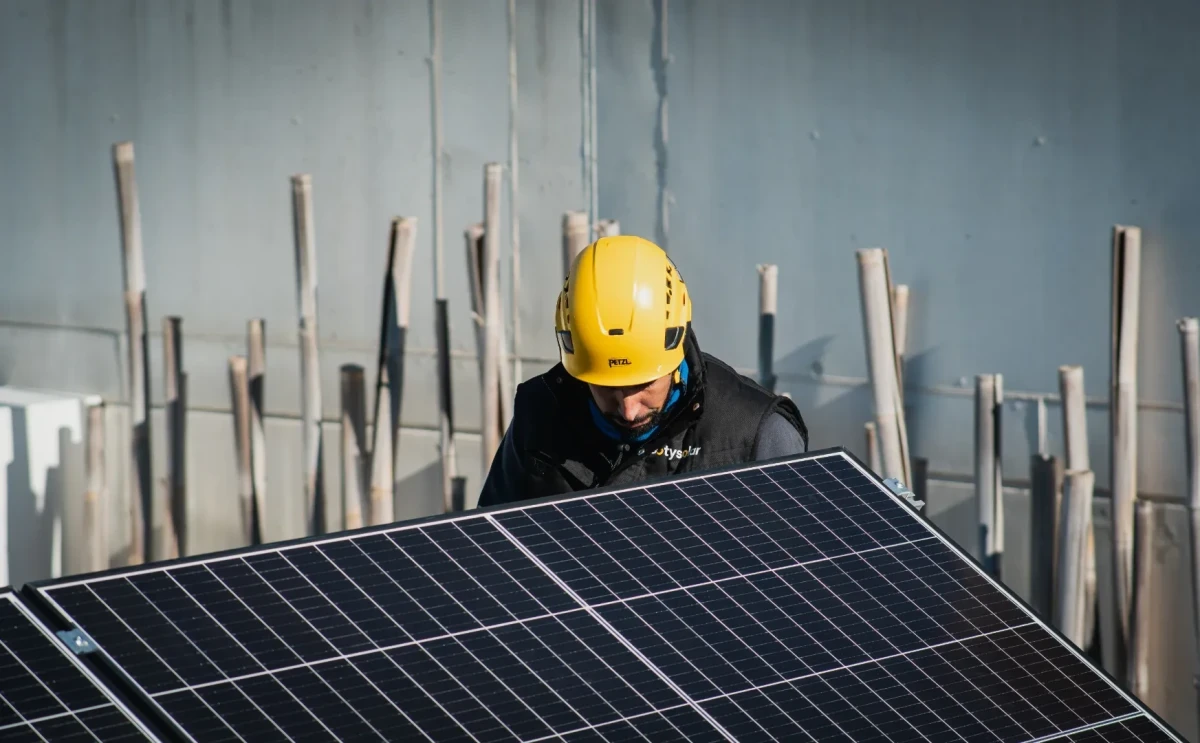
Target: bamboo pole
[
  {"x": 389, "y": 384},
  {"x": 1075, "y": 435},
  {"x": 473, "y": 237},
  {"x": 878, "y": 326},
  {"x": 174, "y": 530},
  {"x": 446, "y": 399},
  {"x": 354, "y": 453},
  {"x": 575, "y": 238},
  {"x": 1069, "y": 609},
  {"x": 1126, "y": 263},
  {"x": 492, "y": 397},
  {"x": 900, "y": 332},
  {"x": 1045, "y": 477},
  {"x": 989, "y": 486},
  {"x": 310, "y": 369},
  {"x": 141, "y": 480},
  {"x": 768, "y": 300},
  {"x": 239, "y": 389},
  {"x": 256, "y": 353},
  {"x": 607, "y": 228},
  {"x": 872, "y": 436},
  {"x": 1143, "y": 622},
  {"x": 95, "y": 498},
  {"x": 1189, "y": 340}
]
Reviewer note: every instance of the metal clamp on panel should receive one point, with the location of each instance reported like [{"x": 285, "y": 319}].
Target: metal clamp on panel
[
  {"x": 77, "y": 640},
  {"x": 902, "y": 490}
]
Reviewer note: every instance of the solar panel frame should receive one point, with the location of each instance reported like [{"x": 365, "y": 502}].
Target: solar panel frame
[
  {"x": 116, "y": 707},
  {"x": 40, "y": 592}
]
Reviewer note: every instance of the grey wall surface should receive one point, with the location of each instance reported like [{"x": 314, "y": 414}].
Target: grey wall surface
[{"x": 990, "y": 147}]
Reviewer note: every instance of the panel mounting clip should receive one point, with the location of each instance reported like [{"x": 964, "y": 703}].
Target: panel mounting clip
[
  {"x": 902, "y": 490},
  {"x": 77, "y": 640}
]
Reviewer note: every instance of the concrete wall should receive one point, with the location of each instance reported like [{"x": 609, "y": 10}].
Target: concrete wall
[{"x": 989, "y": 146}]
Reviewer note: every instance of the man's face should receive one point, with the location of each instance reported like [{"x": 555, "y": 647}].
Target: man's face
[{"x": 635, "y": 409}]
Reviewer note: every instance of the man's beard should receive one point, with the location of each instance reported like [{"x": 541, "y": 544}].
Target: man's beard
[{"x": 643, "y": 426}]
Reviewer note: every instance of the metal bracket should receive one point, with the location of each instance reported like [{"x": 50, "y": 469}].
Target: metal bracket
[
  {"x": 77, "y": 640},
  {"x": 902, "y": 490}
]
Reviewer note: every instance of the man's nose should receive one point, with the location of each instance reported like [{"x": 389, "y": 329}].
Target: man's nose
[{"x": 630, "y": 408}]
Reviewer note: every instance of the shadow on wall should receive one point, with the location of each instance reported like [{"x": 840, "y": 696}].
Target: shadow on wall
[
  {"x": 421, "y": 493},
  {"x": 34, "y": 506}
]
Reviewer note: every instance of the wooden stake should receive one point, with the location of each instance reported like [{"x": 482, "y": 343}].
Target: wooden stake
[
  {"x": 1189, "y": 338},
  {"x": 989, "y": 486},
  {"x": 389, "y": 384},
  {"x": 1076, "y": 512},
  {"x": 354, "y": 452},
  {"x": 446, "y": 395},
  {"x": 607, "y": 228},
  {"x": 874, "y": 288},
  {"x": 1046, "y": 475},
  {"x": 174, "y": 533},
  {"x": 1143, "y": 623},
  {"x": 492, "y": 419},
  {"x": 95, "y": 498},
  {"x": 239, "y": 389},
  {"x": 256, "y": 352},
  {"x": 768, "y": 300},
  {"x": 575, "y": 238},
  {"x": 1126, "y": 263},
  {"x": 141, "y": 493},
  {"x": 310, "y": 369}
]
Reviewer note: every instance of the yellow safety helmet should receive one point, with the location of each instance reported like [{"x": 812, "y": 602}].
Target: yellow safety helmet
[{"x": 622, "y": 314}]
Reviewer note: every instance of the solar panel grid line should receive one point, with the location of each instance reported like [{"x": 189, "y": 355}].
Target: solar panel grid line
[
  {"x": 44, "y": 699},
  {"x": 604, "y": 623},
  {"x": 1074, "y": 734},
  {"x": 281, "y": 639},
  {"x": 852, "y": 639}
]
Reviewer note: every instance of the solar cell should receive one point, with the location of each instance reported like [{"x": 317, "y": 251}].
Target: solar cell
[
  {"x": 794, "y": 600},
  {"x": 46, "y": 694}
]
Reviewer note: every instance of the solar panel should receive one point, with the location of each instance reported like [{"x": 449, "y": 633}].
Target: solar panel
[
  {"x": 791, "y": 600},
  {"x": 46, "y": 694}
]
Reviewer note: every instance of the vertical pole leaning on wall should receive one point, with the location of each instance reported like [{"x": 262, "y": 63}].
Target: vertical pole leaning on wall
[
  {"x": 1143, "y": 621},
  {"x": 874, "y": 286},
  {"x": 141, "y": 477},
  {"x": 575, "y": 238},
  {"x": 872, "y": 437},
  {"x": 514, "y": 193},
  {"x": 1189, "y": 339},
  {"x": 310, "y": 368},
  {"x": 354, "y": 452},
  {"x": 95, "y": 500},
  {"x": 256, "y": 352},
  {"x": 490, "y": 281},
  {"x": 1075, "y": 435},
  {"x": 900, "y": 297},
  {"x": 1126, "y": 266},
  {"x": 768, "y": 302},
  {"x": 174, "y": 531},
  {"x": 989, "y": 488},
  {"x": 1078, "y": 489},
  {"x": 441, "y": 311},
  {"x": 239, "y": 392},
  {"x": 1045, "y": 475},
  {"x": 389, "y": 373}
]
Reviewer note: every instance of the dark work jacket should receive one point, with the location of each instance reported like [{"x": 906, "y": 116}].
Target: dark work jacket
[{"x": 552, "y": 445}]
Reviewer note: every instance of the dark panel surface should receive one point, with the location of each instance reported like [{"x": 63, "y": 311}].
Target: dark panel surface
[
  {"x": 46, "y": 694},
  {"x": 794, "y": 601}
]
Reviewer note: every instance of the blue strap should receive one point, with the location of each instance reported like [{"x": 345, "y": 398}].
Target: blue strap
[{"x": 612, "y": 432}]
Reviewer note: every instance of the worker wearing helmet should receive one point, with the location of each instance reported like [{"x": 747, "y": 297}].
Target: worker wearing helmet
[{"x": 633, "y": 396}]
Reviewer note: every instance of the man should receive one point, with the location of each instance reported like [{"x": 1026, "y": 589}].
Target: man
[{"x": 633, "y": 396}]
